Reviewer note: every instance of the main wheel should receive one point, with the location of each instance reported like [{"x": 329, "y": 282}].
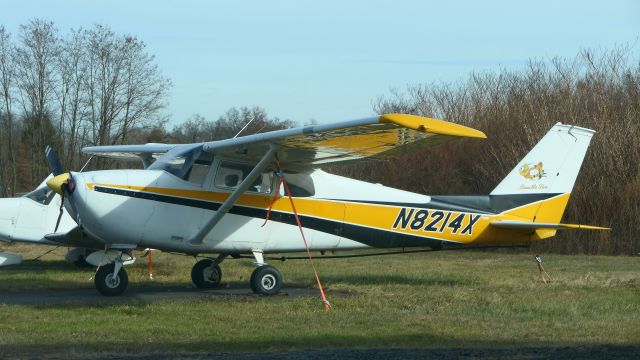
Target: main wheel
[
  {"x": 205, "y": 274},
  {"x": 266, "y": 280},
  {"x": 110, "y": 284}
]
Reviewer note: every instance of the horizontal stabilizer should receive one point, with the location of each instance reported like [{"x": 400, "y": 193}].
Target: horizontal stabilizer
[
  {"x": 77, "y": 238},
  {"x": 526, "y": 225}
]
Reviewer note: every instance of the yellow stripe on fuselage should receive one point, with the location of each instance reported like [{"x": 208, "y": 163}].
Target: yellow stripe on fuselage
[{"x": 456, "y": 226}]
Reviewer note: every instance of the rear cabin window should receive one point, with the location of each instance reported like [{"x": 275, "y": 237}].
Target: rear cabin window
[
  {"x": 230, "y": 175},
  {"x": 300, "y": 185}
]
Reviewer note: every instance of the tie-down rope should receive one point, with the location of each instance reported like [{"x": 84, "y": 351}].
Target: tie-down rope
[{"x": 282, "y": 181}]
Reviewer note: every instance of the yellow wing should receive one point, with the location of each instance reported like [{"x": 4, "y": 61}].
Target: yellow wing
[{"x": 375, "y": 137}]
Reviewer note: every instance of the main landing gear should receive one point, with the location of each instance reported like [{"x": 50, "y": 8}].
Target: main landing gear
[
  {"x": 206, "y": 273},
  {"x": 265, "y": 279}
]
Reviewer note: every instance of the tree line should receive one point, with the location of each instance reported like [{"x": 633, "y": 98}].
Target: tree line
[
  {"x": 515, "y": 108},
  {"x": 95, "y": 87},
  {"x": 89, "y": 87},
  {"x": 86, "y": 87}
]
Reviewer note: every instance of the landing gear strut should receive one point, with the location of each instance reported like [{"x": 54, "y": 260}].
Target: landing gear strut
[
  {"x": 265, "y": 279},
  {"x": 111, "y": 279}
]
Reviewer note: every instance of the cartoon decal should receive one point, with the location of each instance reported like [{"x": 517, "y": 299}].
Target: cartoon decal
[{"x": 532, "y": 172}]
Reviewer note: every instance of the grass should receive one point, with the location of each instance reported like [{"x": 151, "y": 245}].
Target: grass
[{"x": 447, "y": 299}]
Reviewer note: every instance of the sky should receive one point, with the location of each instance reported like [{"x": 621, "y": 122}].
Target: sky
[{"x": 330, "y": 60}]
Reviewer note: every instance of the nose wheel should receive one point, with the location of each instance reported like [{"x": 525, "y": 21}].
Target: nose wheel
[
  {"x": 111, "y": 280},
  {"x": 266, "y": 280}
]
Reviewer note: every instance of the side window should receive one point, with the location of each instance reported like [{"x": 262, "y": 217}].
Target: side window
[
  {"x": 300, "y": 185},
  {"x": 200, "y": 168},
  {"x": 230, "y": 175}
]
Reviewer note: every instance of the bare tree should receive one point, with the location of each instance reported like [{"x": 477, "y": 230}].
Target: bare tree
[
  {"x": 234, "y": 119},
  {"x": 34, "y": 64},
  {"x": 599, "y": 90},
  {"x": 7, "y": 176},
  {"x": 124, "y": 88},
  {"x": 197, "y": 129},
  {"x": 71, "y": 70}
]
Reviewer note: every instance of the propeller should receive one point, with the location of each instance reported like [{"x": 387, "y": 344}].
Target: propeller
[
  {"x": 52, "y": 159},
  {"x": 62, "y": 183}
]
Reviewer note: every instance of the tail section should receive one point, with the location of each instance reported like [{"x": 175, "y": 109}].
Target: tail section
[
  {"x": 547, "y": 173},
  {"x": 552, "y": 166}
]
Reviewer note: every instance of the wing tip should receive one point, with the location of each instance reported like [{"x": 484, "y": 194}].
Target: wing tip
[{"x": 435, "y": 126}]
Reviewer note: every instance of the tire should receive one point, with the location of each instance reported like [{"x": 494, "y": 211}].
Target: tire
[
  {"x": 252, "y": 281},
  {"x": 206, "y": 275},
  {"x": 266, "y": 280},
  {"x": 107, "y": 284}
]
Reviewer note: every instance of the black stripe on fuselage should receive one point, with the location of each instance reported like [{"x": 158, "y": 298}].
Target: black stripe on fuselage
[{"x": 362, "y": 234}]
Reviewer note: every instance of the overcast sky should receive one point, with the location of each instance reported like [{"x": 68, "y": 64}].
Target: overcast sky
[{"x": 329, "y": 60}]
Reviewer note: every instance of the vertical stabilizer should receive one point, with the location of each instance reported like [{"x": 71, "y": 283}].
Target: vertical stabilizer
[
  {"x": 549, "y": 170},
  {"x": 552, "y": 166}
]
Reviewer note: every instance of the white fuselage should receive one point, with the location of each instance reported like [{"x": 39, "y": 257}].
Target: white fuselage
[{"x": 155, "y": 209}]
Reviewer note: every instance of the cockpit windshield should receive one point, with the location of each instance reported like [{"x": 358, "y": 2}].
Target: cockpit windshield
[
  {"x": 42, "y": 195},
  {"x": 179, "y": 160}
]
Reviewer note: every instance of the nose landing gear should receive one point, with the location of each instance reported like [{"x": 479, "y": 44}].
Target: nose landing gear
[{"x": 111, "y": 279}]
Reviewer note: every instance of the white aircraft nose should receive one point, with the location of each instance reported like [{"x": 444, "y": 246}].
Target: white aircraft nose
[
  {"x": 79, "y": 195},
  {"x": 8, "y": 216}
]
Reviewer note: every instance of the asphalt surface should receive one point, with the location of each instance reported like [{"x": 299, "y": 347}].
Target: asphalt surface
[
  {"x": 143, "y": 294},
  {"x": 613, "y": 352},
  {"x": 564, "y": 352}
]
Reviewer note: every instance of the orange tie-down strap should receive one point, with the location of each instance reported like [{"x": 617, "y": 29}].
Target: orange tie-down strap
[{"x": 283, "y": 181}]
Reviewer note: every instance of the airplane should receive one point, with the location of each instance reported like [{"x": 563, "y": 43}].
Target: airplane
[
  {"x": 28, "y": 218},
  {"x": 225, "y": 197},
  {"x": 31, "y": 216}
]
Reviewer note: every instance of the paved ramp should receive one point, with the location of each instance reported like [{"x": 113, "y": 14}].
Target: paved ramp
[{"x": 144, "y": 294}]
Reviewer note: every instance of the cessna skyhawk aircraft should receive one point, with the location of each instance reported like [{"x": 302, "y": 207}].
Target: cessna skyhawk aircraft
[{"x": 214, "y": 197}]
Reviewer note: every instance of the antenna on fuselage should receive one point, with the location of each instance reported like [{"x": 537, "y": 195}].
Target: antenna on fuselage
[{"x": 244, "y": 127}]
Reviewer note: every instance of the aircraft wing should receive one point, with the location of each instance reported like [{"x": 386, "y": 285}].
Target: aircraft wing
[
  {"x": 526, "y": 225},
  {"x": 128, "y": 152},
  {"x": 76, "y": 238},
  {"x": 374, "y": 137},
  {"x": 42, "y": 241}
]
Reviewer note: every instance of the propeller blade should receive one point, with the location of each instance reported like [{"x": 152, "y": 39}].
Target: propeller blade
[
  {"x": 52, "y": 159},
  {"x": 61, "y": 212}
]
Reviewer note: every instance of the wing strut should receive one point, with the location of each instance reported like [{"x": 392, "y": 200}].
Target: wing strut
[{"x": 235, "y": 195}]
